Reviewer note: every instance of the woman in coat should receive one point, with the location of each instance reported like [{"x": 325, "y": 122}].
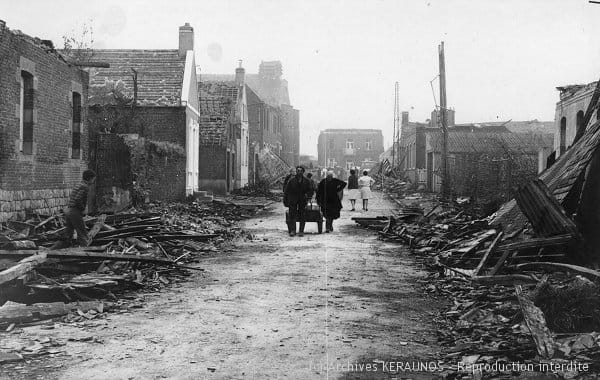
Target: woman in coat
[
  {"x": 364, "y": 184},
  {"x": 329, "y": 199},
  {"x": 353, "y": 192}
]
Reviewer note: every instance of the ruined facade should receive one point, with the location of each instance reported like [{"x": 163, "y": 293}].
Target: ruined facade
[
  {"x": 151, "y": 94},
  {"x": 44, "y": 145},
  {"x": 265, "y": 123},
  {"x": 349, "y": 148},
  {"x": 570, "y": 110},
  {"x": 273, "y": 124},
  {"x": 224, "y": 134}
]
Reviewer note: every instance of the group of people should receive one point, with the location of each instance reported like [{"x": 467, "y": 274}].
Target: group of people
[{"x": 299, "y": 189}]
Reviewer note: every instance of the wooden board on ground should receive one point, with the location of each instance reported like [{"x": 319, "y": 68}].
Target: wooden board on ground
[
  {"x": 19, "y": 313},
  {"x": 595, "y": 275},
  {"x": 536, "y": 322},
  {"x": 24, "y": 266},
  {"x": 92, "y": 256}
]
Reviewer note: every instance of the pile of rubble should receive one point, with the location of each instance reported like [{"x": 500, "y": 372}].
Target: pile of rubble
[
  {"x": 134, "y": 250},
  {"x": 507, "y": 292}
]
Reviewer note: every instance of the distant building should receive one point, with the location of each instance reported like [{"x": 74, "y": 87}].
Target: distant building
[
  {"x": 485, "y": 160},
  {"x": 44, "y": 133},
  {"x": 570, "y": 110},
  {"x": 349, "y": 148}
]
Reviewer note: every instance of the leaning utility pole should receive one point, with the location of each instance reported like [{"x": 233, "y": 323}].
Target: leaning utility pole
[{"x": 444, "y": 122}]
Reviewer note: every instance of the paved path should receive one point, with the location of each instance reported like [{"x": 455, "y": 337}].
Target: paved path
[{"x": 276, "y": 307}]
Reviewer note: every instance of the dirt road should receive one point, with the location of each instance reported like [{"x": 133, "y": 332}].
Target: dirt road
[{"x": 274, "y": 307}]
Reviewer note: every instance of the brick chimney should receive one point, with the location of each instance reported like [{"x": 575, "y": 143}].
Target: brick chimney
[
  {"x": 240, "y": 75},
  {"x": 404, "y": 122},
  {"x": 186, "y": 39}
]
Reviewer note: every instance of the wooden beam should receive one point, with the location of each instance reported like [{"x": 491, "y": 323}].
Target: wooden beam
[
  {"x": 19, "y": 313},
  {"x": 536, "y": 322},
  {"x": 24, "y": 266},
  {"x": 499, "y": 263},
  {"x": 487, "y": 254},
  {"x": 562, "y": 266},
  {"x": 97, "y": 227},
  {"x": 507, "y": 279},
  {"x": 91, "y": 256},
  {"x": 536, "y": 243}
]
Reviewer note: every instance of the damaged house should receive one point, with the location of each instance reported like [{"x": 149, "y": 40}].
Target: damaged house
[
  {"x": 273, "y": 123},
  {"x": 570, "y": 109},
  {"x": 571, "y": 184},
  {"x": 224, "y": 137},
  {"x": 144, "y": 111},
  {"x": 485, "y": 160},
  {"x": 44, "y": 134}
]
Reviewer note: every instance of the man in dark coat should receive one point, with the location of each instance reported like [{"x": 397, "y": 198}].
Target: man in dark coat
[
  {"x": 297, "y": 192},
  {"x": 329, "y": 199}
]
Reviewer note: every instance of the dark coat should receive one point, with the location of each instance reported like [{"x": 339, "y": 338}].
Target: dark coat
[
  {"x": 352, "y": 181},
  {"x": 328, "y": 198},
  {"x": 297, "y": 190}
]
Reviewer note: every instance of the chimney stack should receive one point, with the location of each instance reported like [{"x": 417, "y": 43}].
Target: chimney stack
[
  {"x": 186, "y": 39},
  {"x": 240, "y": 75},
  {"x": 404, "y": 122}
]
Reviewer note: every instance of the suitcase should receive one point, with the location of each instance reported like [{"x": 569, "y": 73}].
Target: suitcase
[{"x": 312, "y": 214}]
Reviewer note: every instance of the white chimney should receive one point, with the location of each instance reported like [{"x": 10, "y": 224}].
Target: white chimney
[{"x": 186, "y": 39}]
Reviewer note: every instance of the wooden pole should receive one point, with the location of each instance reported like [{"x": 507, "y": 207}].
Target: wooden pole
[{"x": 444, "y": 121}]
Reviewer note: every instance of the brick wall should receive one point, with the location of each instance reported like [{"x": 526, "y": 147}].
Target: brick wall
[
  {"x": 38, "y": 182},
  {"x": 166, "y": 179}
]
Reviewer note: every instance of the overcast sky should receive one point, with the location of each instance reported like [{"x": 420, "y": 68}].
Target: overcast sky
[{"x": 504, "y": 58}]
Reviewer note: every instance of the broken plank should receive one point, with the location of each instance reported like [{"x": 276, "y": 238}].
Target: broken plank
[
  {"x": 97, "y": 227},
  {"x": 24, "y": 266},
  {"x": 499, "y": 263},
  {"x": 19, "y": 313},
  {"x": 537, "y": 243},
  {"x": 536, "y": 322},
  {"x": 93, "y": 256},
  {"x": 507, "y": 279},
  {"x": 562, "y": 266},
  {"x": 489, "y": 251}
]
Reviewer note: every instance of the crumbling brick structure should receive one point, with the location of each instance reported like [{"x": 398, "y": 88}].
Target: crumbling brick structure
[{"x": 44, "y": 134}]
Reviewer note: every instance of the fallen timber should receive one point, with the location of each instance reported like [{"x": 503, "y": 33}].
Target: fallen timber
[{"x": 93, "y": 256}]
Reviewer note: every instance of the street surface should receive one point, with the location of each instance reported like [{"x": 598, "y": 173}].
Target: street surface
[{"x": 274, "y": 307}]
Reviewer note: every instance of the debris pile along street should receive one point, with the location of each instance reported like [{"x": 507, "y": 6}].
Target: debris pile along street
[
  {"x": 515, "y": 298},
  {"x": 130, "y": 252}
]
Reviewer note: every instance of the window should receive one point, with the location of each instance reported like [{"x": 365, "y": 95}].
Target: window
[
  {"x": 349, "y": 144},
  {"x": 563, "y": 135},
  {"x": 76, "y": 129},
  {"x": 331, "y": 144},
  {"x": 349, "y": 165},
  {"x": 368, "y": 145},
  {"x": 26, "y": 113},
  {"x": 331, "y": 162},
  {"x": 580, "y": 126}
]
